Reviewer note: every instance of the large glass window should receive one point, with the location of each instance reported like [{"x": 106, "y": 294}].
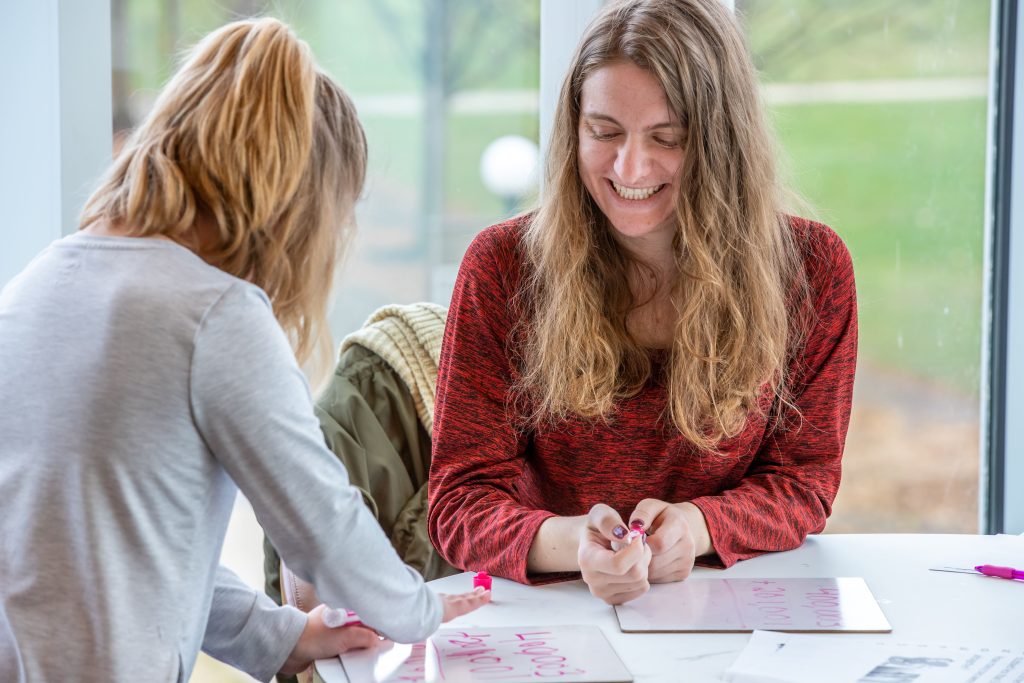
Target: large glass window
[{"x": 881, "y": 109}]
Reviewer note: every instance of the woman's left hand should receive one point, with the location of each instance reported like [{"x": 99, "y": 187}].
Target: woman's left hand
[{"x": 669, "y": 537}]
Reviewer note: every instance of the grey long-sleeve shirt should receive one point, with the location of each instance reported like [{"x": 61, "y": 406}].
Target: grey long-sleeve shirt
[{"x": 139, "y": 387}]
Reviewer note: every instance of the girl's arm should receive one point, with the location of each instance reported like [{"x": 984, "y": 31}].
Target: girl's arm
[{"x": 253, "y": 407}]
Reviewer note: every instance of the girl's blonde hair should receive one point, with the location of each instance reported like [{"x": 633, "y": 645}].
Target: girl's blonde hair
[
  {"x": 250, "y": 134},
  {"x": 741, "y": 286}
]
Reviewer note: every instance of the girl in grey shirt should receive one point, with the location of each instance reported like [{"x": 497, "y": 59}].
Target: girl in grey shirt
[{"x": 150, "y": 365}]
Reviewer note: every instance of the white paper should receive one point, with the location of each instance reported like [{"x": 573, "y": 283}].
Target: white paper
[
  {"x": 507, "y": 654},
  {"x": 737, "y": 605},
  {"x": 772, "y": 657}
]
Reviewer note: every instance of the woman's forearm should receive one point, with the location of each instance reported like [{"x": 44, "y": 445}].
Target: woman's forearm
[{"x": 556, "y": 546}]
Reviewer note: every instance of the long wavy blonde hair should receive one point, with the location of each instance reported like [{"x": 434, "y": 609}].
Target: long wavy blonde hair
[
  {"x": 250, "y": 134},
  {"x": 741, "y": 277}
]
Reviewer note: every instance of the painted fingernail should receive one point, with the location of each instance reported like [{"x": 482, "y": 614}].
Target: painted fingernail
[
  {"x": 619, "y": 532},
  {"x": 637, "y": 524}
]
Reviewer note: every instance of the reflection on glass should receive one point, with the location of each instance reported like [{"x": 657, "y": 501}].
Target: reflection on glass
[{"x": 881, "y": 110}]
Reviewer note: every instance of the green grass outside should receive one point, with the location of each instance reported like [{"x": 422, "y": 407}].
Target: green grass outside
[{"x": 903, "y": 184}]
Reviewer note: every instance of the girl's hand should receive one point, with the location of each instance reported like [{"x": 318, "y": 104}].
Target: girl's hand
[
  {"x": 670, "y": 539},
  {"x": 615, "y": 577},
  {"x": 463, "y": 603},
  {"x": 318, "y": 641}
]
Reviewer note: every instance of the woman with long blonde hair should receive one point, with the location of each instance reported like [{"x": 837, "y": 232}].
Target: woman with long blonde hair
[
  {"x": 658, "y": 347},
  {"x": 151, "y": 369}
]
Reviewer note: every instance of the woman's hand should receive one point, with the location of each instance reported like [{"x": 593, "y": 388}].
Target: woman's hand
[
  {"x": 319, "y": 641},
  {"x": 669, "y": 537},
  {"x": 463, "y": 603},
  {"x": 615, "y": 577}
]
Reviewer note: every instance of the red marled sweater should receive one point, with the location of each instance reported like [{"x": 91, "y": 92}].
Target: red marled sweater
[{"x": 491, "y": 486}]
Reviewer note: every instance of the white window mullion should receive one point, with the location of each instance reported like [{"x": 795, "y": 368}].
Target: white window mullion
[
  {"x": 55, "y": 125},
  {"x": 561, "y": 25}
]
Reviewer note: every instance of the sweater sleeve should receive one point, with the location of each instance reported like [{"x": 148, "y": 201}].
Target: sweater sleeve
[
  {"x": 253, "y": 407},
  {"x": 474, "y": 519},
  {"x": 247, "y": 630},
  {"x": 788, "y": 491}
]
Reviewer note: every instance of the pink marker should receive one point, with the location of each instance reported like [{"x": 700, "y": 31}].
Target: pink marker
[
  {"x": 482, "y": 580},
  {"x": 1001, "y": 572},
  {"x": 336, "y": 618}
]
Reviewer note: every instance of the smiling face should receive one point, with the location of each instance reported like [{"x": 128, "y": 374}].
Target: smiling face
[{"x": 630, "y": 153}]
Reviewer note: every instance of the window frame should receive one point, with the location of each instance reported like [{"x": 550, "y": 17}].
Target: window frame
[
  {"x": 57, "y": 138},
  {"x": 1003, "y": 347}
]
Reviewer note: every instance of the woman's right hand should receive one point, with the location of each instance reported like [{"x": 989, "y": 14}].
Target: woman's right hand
[
  {"x": 614, "y": 576},
  {"x": 463, "y": 603},
  {"x": 319, "y": 641}
]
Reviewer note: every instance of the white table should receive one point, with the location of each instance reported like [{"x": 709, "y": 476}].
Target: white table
[{"x": 921, "y": 605}]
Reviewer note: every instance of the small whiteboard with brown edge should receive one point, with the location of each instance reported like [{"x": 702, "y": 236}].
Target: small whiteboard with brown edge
[{"x": 826, "y": 605}]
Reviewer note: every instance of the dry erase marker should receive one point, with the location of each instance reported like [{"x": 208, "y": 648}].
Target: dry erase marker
[
  {"x": 986, "y": 570},
  {"x": 1001, "y": 572},
  {"x": 336, "y": 618}
]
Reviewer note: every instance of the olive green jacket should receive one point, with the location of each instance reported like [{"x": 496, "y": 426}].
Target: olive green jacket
[{"x": 376, "y": 416}]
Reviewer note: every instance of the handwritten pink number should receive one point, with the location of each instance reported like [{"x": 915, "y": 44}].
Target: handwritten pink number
[{"x": 522, "y": 636}]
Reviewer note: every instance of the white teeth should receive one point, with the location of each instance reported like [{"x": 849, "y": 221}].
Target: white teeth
[{"x": 635, "y": 193}]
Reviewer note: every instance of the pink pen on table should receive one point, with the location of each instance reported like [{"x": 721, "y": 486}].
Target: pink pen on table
[
  {"x": 1000, "y": 572},
  {"x": 985, "y": 570},
  {"x": 336, "y": 618}
]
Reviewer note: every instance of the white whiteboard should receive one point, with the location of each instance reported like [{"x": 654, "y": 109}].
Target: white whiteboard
[
  {"x": 741, "y": 605},
  {"x": 474, "y": 655}
]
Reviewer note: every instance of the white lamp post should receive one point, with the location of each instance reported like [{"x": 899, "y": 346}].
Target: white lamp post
[{"x": 508, "y": 168}]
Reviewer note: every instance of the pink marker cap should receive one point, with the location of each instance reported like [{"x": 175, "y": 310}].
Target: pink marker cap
[{"x": 482, "y": 579}]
